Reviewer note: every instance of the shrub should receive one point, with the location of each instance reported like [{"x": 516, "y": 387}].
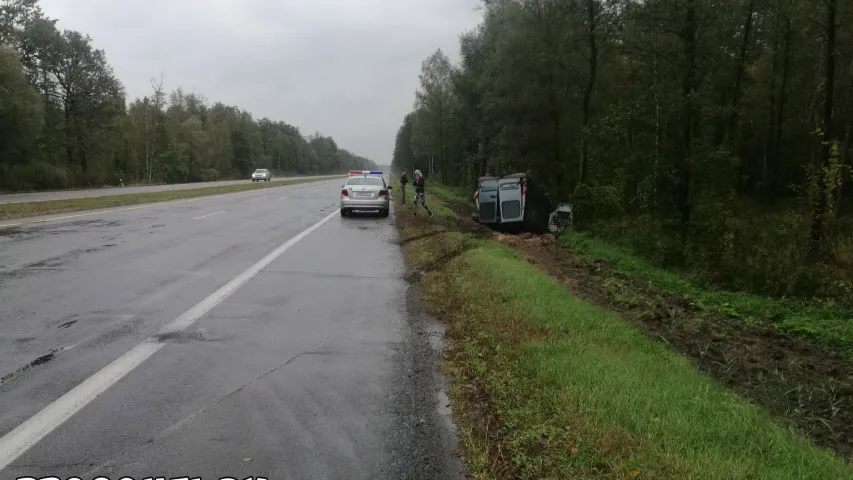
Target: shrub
[
  {"x": 34, "y": 176},
  {"x": 209, "y": 174},
  {"x": 594, "y": 202}
]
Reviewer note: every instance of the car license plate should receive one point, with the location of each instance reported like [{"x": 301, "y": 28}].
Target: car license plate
[{"x": 363, "y": 194}]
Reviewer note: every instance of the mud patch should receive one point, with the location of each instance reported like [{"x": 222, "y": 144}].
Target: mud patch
[
  {"x": 414, "y": 274},
  {"x": 421, "y": 236},
  {"x": 802, "y": 385}
]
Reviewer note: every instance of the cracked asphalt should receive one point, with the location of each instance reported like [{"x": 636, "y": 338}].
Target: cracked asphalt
[{"x": 319, "y": 365}]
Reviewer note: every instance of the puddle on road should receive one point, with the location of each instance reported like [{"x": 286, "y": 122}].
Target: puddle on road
[
  {"x": 11, "y": 231},
  {"x": 52, "y": 264},
  {"x": 43, "y": 359},
  {"x": 184, "y": 337},
  {"x": 118, "y": 328},
  {"x": 22, "y": 233},
  {"x": 39, "y": 361}
]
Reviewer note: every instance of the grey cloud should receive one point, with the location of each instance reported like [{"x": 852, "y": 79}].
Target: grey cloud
[{"x": 348, "y": 68}]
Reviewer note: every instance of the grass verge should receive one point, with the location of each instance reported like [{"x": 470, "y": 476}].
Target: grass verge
[
  {"x": 50, "y": 207},
  {"x": 822, "y": 322},
  {"x": 546, "y": 385}
]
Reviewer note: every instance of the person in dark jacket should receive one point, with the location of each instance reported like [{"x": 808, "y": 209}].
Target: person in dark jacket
[
  {"x": 404, "y": 180},
  {"x": 419, "y": 194}
]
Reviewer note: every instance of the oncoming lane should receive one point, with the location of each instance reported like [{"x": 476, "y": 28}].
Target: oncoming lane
[
  {"x": 103, "y": 192},
  {"x": 203, "y": 200}
]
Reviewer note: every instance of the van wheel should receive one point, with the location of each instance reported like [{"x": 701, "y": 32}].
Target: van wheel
[{"x": 344, "y": 212}]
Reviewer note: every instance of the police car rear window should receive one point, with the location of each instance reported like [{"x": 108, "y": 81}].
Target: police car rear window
[{"x": 365, "y": 181}]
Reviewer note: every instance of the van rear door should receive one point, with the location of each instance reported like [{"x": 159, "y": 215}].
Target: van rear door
[
  {"x": 512, "y": 199},
  {"x": 487, "y": 201}
]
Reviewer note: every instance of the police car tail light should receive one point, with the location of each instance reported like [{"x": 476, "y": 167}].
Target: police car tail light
[
  {"x": 523, "y": 189},
  {"x": 382, "y": 193},
  {"x": 344, "y": 192}
]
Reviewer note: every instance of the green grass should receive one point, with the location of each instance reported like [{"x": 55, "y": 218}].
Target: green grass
[
  {"x": 546, "y": 385},
  {"x": 458, "y": 194},
  {"x": 30, "y": 209},
  {"x": 824, "y": 323}
]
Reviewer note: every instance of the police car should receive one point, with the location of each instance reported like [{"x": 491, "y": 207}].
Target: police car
[{"x": 365, "y": 190}]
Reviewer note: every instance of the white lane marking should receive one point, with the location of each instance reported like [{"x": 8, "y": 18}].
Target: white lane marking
[
  {"x": 209, "y": 215},
  {"x": 26, "y": 435},
  {"x": 315, "y": 190},
  {"x": 283, "y": 198},
  {"x": 21, "y": 439}
]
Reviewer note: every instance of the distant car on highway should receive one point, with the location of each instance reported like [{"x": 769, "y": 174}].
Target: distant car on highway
[
  {"x": 365, "y": 190},
  {"x": 261, "y": 174}
]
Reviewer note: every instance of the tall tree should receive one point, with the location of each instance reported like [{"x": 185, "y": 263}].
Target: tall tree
[
  {"x": 435, "y": 103},
  {"x": 826, "y": 173},
  {"x": 20, "y": 111}
]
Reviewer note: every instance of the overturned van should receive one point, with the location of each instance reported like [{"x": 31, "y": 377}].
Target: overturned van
[{"x": 512, "y": 202}]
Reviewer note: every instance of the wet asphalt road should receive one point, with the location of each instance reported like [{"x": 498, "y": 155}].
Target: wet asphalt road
[
  {"x": 317, "y": 366},
  {"x": 103, "y": 192}
]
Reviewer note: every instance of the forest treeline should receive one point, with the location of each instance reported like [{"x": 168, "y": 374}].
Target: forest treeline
[
  {"x": 713, "y": 136},
  {"x": 64, "y": 121}
]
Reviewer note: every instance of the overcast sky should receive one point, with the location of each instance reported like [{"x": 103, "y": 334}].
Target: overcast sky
[{"x": 348, "y": 68}]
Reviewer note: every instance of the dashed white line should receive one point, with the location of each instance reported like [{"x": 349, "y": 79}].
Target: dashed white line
[
  {"x": 283, "y": 198},
  {"x": 26, "y": 435},
  {"x": 209, "y": 215}
]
